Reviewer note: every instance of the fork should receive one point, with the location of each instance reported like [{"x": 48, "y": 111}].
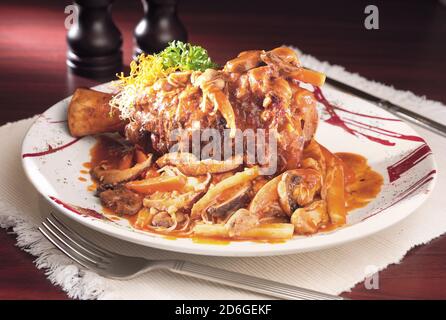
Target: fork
[{"x": 117, "y": 266}]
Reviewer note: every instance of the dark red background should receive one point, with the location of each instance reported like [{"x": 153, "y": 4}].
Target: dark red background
[{"x": 408, "y": 51}]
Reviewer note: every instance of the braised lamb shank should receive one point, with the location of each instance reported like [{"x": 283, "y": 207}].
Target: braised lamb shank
[{"x": 257, "y": 89}]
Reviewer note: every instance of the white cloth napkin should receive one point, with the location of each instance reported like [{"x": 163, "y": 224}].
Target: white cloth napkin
[{"x": 332, "y": 271}]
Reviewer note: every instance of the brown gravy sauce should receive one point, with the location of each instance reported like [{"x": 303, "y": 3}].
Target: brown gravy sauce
[{"x": 362, "y": 185}]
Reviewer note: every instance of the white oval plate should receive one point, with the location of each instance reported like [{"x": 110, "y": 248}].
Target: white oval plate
[{"x": 52, "y": 160}]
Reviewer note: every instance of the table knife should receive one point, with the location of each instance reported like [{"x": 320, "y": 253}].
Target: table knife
[{"x": 397, "y": 110}]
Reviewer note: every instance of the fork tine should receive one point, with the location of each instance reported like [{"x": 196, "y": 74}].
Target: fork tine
[
  {"x": 74, "y": 234},
  {"x": 76, "y": 240},
  {"x": 69, "y": 244},
  {"x": 66, "y": 250}
]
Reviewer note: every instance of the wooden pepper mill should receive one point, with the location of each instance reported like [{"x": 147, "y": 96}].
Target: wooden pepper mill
[
  {"x": 94, "y": 41},
  {"x": 158, "y": 27}
]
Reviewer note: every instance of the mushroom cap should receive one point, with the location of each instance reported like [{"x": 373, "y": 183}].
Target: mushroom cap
[
  {"x": 237, "y": 200},
  {"x": 285, "y": 188}
]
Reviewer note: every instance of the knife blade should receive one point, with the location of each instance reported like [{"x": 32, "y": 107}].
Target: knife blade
[{"x": 397, "y": 110}]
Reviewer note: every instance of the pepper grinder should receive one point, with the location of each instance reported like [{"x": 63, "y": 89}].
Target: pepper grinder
[
  {"x": 158, "y": 27},
  {"x": 94, "y": 41}
]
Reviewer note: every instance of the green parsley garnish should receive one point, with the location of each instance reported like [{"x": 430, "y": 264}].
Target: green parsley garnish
[
  {"x": 148, "y": 68},
  {"x": 184, "y": 57}
]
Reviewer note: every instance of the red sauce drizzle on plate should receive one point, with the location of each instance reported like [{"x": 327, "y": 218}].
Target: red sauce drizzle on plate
[
  {"x": 50, "y": 149},
  {"x": 347, "y": 124},
  {"x": 79, "y": 210},
  {"x": 408, "y": 162}
]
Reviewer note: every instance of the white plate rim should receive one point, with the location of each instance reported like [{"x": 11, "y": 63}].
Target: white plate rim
[{"x": 375, "y": 223}]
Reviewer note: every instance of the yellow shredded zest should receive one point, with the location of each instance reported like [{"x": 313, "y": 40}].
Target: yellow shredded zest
[
  {"x": 144, "y": 72},
  {"x": 148, "y": 69}
]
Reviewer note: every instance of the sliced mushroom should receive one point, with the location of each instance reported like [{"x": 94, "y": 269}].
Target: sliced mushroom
[
  {"x": 212, "y": 194},
  {"x": 162, "y": 219},
  {"x": 189, "y": 165},
  {"x": 115, "y": 176},
  {"x": 241, "y": 221},
  {"x": 266, "y": 197},
  {"x": 121, "y": 201},
  {"x": 285, "y": 188},
  {"x": 235, "y": 201},
  {"x": 308, "y": 220},
  {"x": 281, "y": 59},
  {"x": 285, "y": 61},
  {"x": 297, "y": 188}
]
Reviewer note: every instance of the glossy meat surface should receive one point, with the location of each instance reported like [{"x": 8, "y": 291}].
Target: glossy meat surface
[{"x": 256, "y": 90}]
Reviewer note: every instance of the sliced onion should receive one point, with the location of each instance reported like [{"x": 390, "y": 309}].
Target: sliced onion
[{"x": 189, "y": 165}]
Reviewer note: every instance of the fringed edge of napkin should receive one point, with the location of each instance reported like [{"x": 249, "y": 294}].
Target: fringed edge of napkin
[
  {"x": 83, "y": 284},
  {"x": 78, "y": 283}
]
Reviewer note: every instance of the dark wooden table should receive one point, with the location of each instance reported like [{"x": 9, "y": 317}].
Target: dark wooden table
[{"x": 408, "y": 51}]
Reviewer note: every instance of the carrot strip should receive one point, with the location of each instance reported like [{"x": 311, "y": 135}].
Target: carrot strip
[
  {"x": 163, "y": 183},
  {"x": 309, "y": 76}
]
